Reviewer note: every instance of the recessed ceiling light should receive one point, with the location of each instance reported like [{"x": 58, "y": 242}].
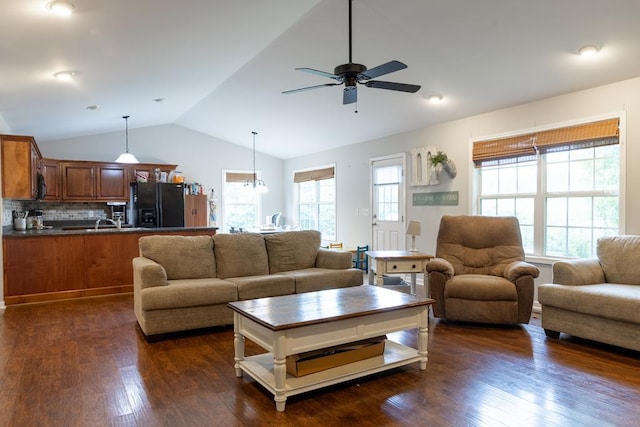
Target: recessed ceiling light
[
  {"x": 434, "y": 99},
  {"x": 94, "y": 107},
  {"x": 65, "y": 75},
  {"x": 158, "y": 100},
  {"x": 61, "y": 7},
  {"x": 588, "y": 51}
]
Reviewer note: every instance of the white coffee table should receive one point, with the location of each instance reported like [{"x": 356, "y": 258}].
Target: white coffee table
[{"x": 298, "y": 323}]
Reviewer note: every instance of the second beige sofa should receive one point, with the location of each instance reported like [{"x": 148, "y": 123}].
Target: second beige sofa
[{"x": 185, "y": 282}]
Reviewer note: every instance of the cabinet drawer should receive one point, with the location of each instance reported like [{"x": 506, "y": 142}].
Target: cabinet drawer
[{"x": 404, "y": 266}]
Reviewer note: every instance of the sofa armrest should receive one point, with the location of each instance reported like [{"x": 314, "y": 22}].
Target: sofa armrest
[
  {"x": 333, "y": 259},
  {"x": 517, "y": 269},
  {"x": 148, "y": 273},
  {"x": 584, "y": 271},
  {"x": 440, "y": 265}
]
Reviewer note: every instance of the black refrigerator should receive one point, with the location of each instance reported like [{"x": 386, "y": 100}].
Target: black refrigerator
[{"x": 158, "y": 204}]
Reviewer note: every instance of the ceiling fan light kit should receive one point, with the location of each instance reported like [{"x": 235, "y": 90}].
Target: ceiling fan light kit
[{"x": 352, "y": 74}]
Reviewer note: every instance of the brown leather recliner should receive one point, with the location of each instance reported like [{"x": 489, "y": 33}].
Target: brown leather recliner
[{"x": 479, "y": 273}]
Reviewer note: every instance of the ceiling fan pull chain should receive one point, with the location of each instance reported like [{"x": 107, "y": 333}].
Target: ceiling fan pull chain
[{"x": 356, "y": 110}]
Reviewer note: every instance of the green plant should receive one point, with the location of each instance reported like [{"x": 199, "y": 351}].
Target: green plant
[{"x": 439, "y": 158}]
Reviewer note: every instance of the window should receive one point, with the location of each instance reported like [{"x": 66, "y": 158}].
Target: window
[
  {"x": 316, "y": 201},
  {"x": 241, "y": 205},
  {"x": 562, "y": 184},
  {"x": 386, "y": 187}
]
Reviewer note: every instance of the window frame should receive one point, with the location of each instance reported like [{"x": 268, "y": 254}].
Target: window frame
[
  {"x": 309, "y": 172},
  {"x": 541, "y": 195},
  {"x": 223, "y": 196}
]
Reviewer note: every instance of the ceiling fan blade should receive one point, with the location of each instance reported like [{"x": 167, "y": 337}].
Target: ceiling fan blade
[
  {"x": 402, "y": 87},
  {"x": 302, "y": 89},
  {"x": 350, "y": 95},
  {"x": 381, "y": 70},
  {"x": 318, "y": 72}
]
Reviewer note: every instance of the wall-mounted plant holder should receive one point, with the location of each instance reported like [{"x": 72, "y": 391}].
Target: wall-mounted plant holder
[{"x": 426, "y": 165}]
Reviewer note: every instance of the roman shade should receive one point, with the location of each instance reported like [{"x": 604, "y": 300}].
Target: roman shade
[
  {"x": 314, "y": 175},
  {"x": 526, "y": 146}
]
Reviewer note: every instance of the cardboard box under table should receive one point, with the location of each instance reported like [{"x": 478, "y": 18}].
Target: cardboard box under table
[{"x": 326, "y": 358}]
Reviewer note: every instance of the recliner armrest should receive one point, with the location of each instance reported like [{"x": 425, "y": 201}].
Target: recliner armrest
[
  {"x": 440, "y": 265},
  {"x": 148, "y": 273},
  {"x": 584, "y": 271},
  {"x": 517, "y": 269}
]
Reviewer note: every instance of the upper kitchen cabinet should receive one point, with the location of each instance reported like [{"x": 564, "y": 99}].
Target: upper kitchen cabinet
[
  {"x": 50, "y": 170},
  {"x": 20, "y": 162},
  {"x": 91, "y": 181},
  {"x": 112, "y": 182}
]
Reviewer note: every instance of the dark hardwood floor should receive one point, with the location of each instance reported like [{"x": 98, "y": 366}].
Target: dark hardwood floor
[{"x": 85, "y": 363}]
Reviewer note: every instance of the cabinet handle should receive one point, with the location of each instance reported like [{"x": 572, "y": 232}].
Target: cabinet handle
[
  {"x": 413, "y": 266},
  {"x": 394, "y": 266}
]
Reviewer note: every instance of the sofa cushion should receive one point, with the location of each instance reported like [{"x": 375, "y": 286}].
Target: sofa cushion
[
  {"x": 252, "y": 287},
  {"x": 183, "y": 257},
  {"x": 293, "y": 250},
  {"x": 239, "y": 255},
  {"x": 189, "y": 293},
  {"x": 620, "y": 258},
  {"x": 607, "y": 300}
]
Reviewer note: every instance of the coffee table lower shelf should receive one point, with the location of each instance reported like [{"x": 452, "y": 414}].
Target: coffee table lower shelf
[{"x": 260, "y": 368}]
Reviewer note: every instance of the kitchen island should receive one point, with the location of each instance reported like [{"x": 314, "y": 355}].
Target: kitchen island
[{"x": 61, "y": 263}]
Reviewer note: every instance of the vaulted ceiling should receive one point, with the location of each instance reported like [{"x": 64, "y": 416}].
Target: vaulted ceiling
[{"x": 219, "y": 66}]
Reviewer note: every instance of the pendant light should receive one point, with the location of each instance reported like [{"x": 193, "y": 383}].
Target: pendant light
[
  {"x": 255, "y": 183},
  {"x": 127, "y": 157}
]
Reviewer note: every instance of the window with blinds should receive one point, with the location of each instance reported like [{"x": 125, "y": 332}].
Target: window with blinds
[
  {"x": 563, "y": 184},
  {"x": 315, "y": 191},
  {"x": 241, "y": 205}
]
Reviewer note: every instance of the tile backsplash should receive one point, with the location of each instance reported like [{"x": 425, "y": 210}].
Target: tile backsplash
[{"x": 55, "y": 211}]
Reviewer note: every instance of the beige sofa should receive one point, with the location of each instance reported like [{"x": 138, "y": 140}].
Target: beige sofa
[
  {"x": 599, "y": 298},
  {"x": 185, "y": 282}
]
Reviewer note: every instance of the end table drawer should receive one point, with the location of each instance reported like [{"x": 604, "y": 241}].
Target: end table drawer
[{"x": 404, "y": 266}]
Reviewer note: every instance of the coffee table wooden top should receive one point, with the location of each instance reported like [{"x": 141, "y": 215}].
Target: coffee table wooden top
[{"x": 296, "y": 310}]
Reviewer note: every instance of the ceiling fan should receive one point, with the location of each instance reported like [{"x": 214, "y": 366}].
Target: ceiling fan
[{"x": 353, "y": 74}]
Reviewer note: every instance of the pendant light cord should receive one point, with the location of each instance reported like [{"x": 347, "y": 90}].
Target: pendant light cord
[
  {"x": 126, "y": 132},
  {"x": 254, "y": 159}
]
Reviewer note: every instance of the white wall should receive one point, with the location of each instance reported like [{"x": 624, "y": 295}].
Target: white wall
[
  {"x": 200, "y": 157},
  {"x": 453, "y": 138}
]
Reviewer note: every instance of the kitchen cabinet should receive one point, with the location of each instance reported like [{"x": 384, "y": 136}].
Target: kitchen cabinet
[
  {"x": 112, "y": 182},
  {"x": 52, "y": 267},
  {"x": 50, "y": 169},
  {"x": 195, "y": 210},
  {"x": 91, "y": 181},
  {"x": 78, "y": 181},
  {"x": 20, "y": 162}
]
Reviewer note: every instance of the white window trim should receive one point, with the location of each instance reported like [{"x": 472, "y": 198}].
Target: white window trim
[
  {"x": 221, "y": 202},
  {"x": 296, "y": 200},
  {"x": 622, "y": 140}
]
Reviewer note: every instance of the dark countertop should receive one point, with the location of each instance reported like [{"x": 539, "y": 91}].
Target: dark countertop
[{"x": 8, "y": 232}]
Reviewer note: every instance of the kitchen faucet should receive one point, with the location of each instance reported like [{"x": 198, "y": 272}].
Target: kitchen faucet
[{"x": 117, "y": 223}]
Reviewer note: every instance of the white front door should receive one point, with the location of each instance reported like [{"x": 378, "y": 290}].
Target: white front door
[{"x": 388, "y": 195}]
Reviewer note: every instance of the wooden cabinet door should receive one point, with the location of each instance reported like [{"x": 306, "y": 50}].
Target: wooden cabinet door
[
  {"x": 195, "y": 210},
  {"x": 111, "y": 182},
  {"x": 78, "y": 181},
  {"x": 20, "y": 158},
  {"x": 50, "y": 169}
]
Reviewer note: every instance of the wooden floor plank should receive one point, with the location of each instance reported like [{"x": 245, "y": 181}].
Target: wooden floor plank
[{"x": 85, "y": 363}]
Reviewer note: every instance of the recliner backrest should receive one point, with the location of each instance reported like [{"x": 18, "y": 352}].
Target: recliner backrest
[{"x": 479, "y": 244}]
